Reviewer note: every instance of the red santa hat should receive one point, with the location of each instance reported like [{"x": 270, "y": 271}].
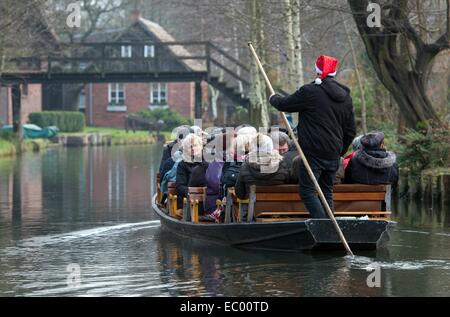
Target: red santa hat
[{"x": 325, "y": 66}]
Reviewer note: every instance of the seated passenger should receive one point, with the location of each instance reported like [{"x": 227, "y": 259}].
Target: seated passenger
[
  {"x": 262, "y": 166},
  {"x": 280, "y": 141},
  {"x": 192, "y": 157},
  {"x": 230, "y": 171},
  {"x": 372, "y": 164},
  {"x": 214, "y": 172},
  {"x": 167, "y": 160},
  {"x": 356, "y": 144},
  {"x": 171, "y": 175}
]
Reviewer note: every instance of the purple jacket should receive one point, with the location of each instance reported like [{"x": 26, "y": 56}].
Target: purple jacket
[{"x": 212, "y": 177}]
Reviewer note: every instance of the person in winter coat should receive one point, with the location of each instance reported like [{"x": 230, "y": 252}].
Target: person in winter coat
[
  {"x": 326, "y": 129},
  {"x": 191, "y": 170},
  {"x": 356, "y": 144},
  {"x": 280, "y": 141},
  {"x": 262, "y": 166},
  {"x": 167, "y": 160},
  {"x": 372, "y": 164},
  {"x": 231, "y": 170},
  {"x": 171, "y": 175}
]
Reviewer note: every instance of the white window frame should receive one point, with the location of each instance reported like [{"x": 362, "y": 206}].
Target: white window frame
[
  {"x": 160, "y": 102},
  {"x": 149, "y": 51},
  {"x": 116, "y": 105},
  {"x": 126, "y": 51}
]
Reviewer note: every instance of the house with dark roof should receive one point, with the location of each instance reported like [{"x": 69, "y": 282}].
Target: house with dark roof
[{"x": 107, "y": 104}]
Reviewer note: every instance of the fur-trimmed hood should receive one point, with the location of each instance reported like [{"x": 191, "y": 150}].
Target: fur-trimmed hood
[{"x": 377, "y": 158}]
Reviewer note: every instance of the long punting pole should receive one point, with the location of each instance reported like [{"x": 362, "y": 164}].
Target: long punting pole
[{"x": 303, "y": 157}]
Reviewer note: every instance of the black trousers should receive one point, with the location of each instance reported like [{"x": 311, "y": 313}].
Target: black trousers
[{"x": 324, "y": 171}]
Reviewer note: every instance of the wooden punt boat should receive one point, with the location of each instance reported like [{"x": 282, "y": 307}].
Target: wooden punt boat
[{"x": 274, "y": 218}]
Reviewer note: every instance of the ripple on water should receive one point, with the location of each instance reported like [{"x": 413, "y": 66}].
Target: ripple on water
[{"x": 361, "y": 262}]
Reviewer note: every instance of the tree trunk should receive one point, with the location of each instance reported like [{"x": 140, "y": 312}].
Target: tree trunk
[
  {"x": 214, "y": 97},
  {"x": 290, "y": 45},
  {"x": 358, "y": 77},
  {"x": 16, "y": 109},
  {"x": 258, "y": 110},
  {"x": 406, "y": 80},
  {"x": 298, "y": 60},
  {"x": 297, "y": 34},
  {"x": 236, "y": 50}
]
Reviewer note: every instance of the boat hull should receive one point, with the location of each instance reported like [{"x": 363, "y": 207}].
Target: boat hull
[{"x": 311, "y": 234}]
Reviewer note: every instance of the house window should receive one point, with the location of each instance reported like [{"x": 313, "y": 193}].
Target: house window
[
  {"x": 149, "y": 51},
  {"x": 126, "y": 51},
  {"x": 116, "y": 97},
  {"x": 158, "y": 94},
  {"x": 82, "y": 100}
]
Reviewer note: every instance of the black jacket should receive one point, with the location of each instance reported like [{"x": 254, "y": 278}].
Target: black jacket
[
  {"x": 167, "y": 154},
  {"x": 372, "y": 167},
  {"x": 230, "y": 174},
  {"x": 190, "y": 175},
  {"x": 250, "y": 174},
  {"x": 326, "y": 119},
  {"x": 165, "y": 167}
]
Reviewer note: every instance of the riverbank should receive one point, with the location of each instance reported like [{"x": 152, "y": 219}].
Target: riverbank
[
  {"x": 7, "y": 148},
  {"x": 431, "y": 185},
  {"x": 118, "y": 136},
  {"x": 10, "y": 145}
]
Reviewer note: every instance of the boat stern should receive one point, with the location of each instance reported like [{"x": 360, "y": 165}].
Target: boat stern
[{"x": 360, "y": 234}]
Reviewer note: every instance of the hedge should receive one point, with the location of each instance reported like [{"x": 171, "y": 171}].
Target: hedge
[
  {"x": 171, "y": 118},
  {"x": 66, "y": 121}
]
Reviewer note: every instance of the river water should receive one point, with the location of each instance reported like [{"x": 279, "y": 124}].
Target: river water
[{"x": 79, "y": 222}]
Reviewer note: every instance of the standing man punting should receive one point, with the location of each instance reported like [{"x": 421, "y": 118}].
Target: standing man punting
[{"x": 326, "y": 129}]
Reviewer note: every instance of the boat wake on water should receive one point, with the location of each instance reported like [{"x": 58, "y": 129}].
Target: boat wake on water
[{"x": 82, "y": 234}]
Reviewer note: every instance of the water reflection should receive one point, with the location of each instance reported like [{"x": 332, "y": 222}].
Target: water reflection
[
  {"x": 68, "y": 189},
  {"x": 232, "y": 272}
]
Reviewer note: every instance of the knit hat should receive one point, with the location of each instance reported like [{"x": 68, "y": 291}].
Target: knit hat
[
  {"x": 356, "y": 144},
  {"x": 325, "y": 66},
  {"x": 372, "y": 140}
]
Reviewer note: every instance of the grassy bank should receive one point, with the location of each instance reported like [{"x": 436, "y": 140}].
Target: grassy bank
[
  {"x": 121, "y": 137},
  {"x": 10, "y": 145},
  {"x": 7, "y": 148}
]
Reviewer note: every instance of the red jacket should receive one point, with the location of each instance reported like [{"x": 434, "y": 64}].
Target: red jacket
[{"x": 348, "y": 158}]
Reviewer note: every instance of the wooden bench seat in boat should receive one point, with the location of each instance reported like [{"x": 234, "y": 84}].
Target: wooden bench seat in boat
[
  {"x": 172, "y": 201},
  {"x": 158, "y": 188},
  {"x": 190, "y": 209},
  {"x": 196, "y": 198},
  {"x": 280, "y": 203}
]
